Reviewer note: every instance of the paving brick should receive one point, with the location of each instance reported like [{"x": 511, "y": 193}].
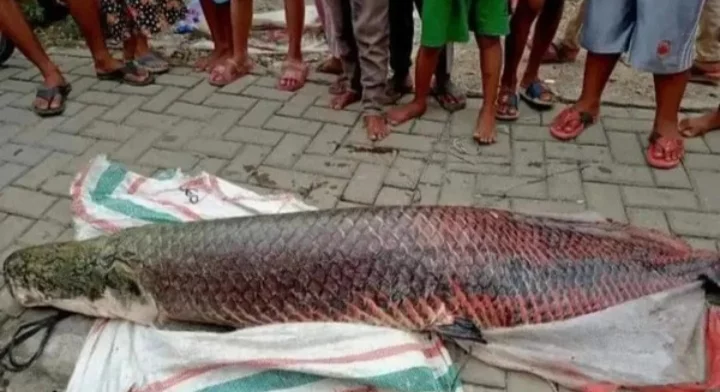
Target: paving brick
[
  {"x": 22, "y": 154},
  {"x": 426, "y": 194},
  {"x": 663, "y": 198},
  {"x": 79, "y": 121},
  {"x": 8, "y": 131},
  {"x": 325, "y": 192},
  {"x": 342, "y": 117},
  {"x": 270, "y": 177},
  {"x": 673, "y": 178},
  {"x": 328, "y": 139},
  {"x": 210, "y": 165},
  {"x": 606, "y": 200},
  {"x": 558, "y": 150},
  {"x": 23, "y": 202},
  {"x": 196, "y": 112},
  {"x": 105, "y": 85},
  {"x": 649, "y": 218},
  {"x": 150, "y": 90},
  {"x": 267, "y": 93},
  {"x": 694, "y": 224},
  {"x": 334, "y": 167},
  {"x": 143, "y": 120},
  {"x": 254, "y": 136},
  {"x": 702, "y": 161},
  {"x": 185, "y": 81},
  {"x": 297, "y": 105},
  {"x": 457, "y": 189},
  {"x": 42, "y": 232},
  {"x": 613, "y": 173},
  {"x": 706, "y": 186},
  {"x": 528, "y": 159},
  {"x": 9, "y": 172},
  {"x": 627, "y": 125},
  {"x": 18, "y": 116},
  {"x": 428, "y": 128},
  {"x": 295, "y": 125},
  {"x": 564, "y": 182},
  {"x": 389, "y": 196},
  {"x": 46, "y": 169},
  {"x": 18, "y": 86},
  {"x": 58, "y": 185},
  {"x": 122, "y": 110},
  {"x": 365, "y": 184},
  {"x": 39, "y": 131},
  {"x": 405, "y": 173},
  {"x": 67, "y": 235},
  {"x": 12, "y": 228},
  {"x": 60, "y": 212},
  {"x": 8, "y": 98},
  {"x": 198, "y": 93},
  {"x": 701, "y": 243},
  {"x": 221, "y": 123},
  {"x": 626, "y": 148},
  {"x": 433, "y": 174},
  {"x": 109, "y": 131},
  {"x": 712, "y": 139},
  {"x": 163, "y": 100},
  {"x": 512, "y": 186},
  {"x": 288, "y": 151},
  {"x": 100, "y": 98},
  {"x": 239, "y": 85},
  {"x": 524, "y": 382},
  {"x": 259, "y": 114},
  {"x": 530, "y": 206},
  {"x": 246, "y": 162},
  {"x": 226, "y": 101},
  {"x": 181, "y": 133},
  {"x": 213, "y": 147},
  {"x": 407, "y": 142},
  {"x": 595, "y": 135},
  {"x": 168, "y": 159},
  {"x": 67, "y": 143},
  {"x": 136, "y": 145},
  {"x": 528, "y": 115}
]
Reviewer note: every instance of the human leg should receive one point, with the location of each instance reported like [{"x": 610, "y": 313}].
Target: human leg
[
  {"x": 700, "y": 125},
  {"x": 349, "y": 82},
  {"x": 295, "y": 71},
  {"x": 402, "y": 29},
  {"x": 568, "y": 47},
  {"x": 706, "y": 68},
  {"x": 238, "y": 65},
  {"x": 332, "y": 64},
  {"x": 217, "y": 17}
]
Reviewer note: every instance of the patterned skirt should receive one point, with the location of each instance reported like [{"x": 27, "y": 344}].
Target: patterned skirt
[{"x": 125, "y": 18}]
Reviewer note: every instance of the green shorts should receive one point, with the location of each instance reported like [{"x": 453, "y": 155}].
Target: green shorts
[{"x": 446, "y": 21}]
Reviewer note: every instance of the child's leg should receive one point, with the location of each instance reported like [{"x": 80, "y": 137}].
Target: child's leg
[
  {"x": 520, "y": 25},
  {"x": 295, "y": 71},
  {"x": 427, "y": 59},
  {"x": 372, "y": 32},
  {"x": 402, "y": 29},
  {"x": 351, "y": 89},
  {"x": 238, "y": 65},
  {"x": 211, "y": 12},
  {"x": 533, "y": 89},
  {"x": 568, "y": 46}
]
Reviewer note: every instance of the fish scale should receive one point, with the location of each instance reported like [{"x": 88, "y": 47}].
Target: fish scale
[{"x": 420, "y": 268}]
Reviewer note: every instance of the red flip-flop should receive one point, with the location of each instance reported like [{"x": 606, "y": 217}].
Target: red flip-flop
[
  {"x": 570, "y": 123},
  {"x": 660, "y": 147}
]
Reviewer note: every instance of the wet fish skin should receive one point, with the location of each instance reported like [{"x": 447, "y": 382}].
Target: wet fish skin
[{"x": 454, "y": 270}]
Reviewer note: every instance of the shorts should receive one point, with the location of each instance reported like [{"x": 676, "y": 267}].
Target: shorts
[
  {"x": 658, "y": 35},
  {"x": 448, "y": 21}
]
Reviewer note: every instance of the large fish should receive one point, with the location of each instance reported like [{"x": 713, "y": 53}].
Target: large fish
[{"x": 451, "y": 270}]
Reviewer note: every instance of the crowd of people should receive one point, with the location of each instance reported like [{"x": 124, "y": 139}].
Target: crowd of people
[{"x": 368, "y": 39}]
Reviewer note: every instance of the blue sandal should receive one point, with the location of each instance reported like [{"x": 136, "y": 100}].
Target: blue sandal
[
  {"x": 507, "y": 106},
  {"x": 534, "y": 92}
]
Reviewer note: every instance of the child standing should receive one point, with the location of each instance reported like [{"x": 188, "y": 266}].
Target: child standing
[
  {"x": 217, "y": 16},
  {"x": 448, "y": 21}
]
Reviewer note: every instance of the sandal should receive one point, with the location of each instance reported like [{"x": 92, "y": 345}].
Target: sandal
[
  {"x": 153, "y": 62},
  {"x": 570, "y": 123},
  {"x": 559, "y": 54},
  {"x": 534, "y": 93},
  {"x": 441, "y": 94},
  {"x": 49, "y": 94},
  {"x": 507, "y": 102},
  {"x": 222, "y": 75},
  {"x": 294, "y": 76},
  {"x": 129, "y": 74},
  {"x": 660, "y": 148}
]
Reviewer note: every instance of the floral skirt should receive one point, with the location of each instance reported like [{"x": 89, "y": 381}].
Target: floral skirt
[{"x": 125, "y": 18}]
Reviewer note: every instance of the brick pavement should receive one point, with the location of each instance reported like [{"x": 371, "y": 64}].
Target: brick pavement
[{"x": 256, "y": 136}]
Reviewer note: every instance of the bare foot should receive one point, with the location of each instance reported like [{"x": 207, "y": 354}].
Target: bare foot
[
  {"x": 407, "y": 112},
  {"x": 207, "y": 63},
  {"x": 376, "y": 126},
  {"x": 485, "y": 131},
  {"x": 698, "y": 126},
  {"x": 345, "y": 99}
]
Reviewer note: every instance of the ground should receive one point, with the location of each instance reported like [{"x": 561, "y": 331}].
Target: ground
[{"x": 268, "y": 140}]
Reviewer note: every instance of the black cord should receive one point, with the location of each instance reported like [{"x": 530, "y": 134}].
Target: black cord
[{"x": 23, "y": 333}]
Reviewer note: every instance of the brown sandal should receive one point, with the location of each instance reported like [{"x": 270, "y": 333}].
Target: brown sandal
[{"x": 222, "y": 75}]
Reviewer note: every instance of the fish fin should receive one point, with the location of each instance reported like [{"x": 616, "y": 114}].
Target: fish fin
[{"x": 462, "y": 329}]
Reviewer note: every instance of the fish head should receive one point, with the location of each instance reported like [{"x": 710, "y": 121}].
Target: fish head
[{"x": 91, "y": 277}]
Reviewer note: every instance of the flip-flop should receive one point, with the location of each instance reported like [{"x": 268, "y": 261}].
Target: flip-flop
[
  {"x": 153, "y": 62},
  {"x": 293, "y": 71},
  {"x": 658, "y": 149},
  {"x": 580, "y": 121},
  {"x": 509, "y": 100},
  {"x": 534, "y": 91},
  {"x": 49, "y": 94},
  {"x": 125, "y": 73},
  {"x": 224, "y": 74},
  {"x": 449, "y": 89}
]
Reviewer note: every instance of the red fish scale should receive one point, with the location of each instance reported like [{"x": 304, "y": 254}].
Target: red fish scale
[{"x": 414, "y": 268}]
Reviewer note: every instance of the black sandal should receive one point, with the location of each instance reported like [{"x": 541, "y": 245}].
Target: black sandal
[
  {"x": 449, "y": 89},
  {"x": 124, "y": 75},
  {"x": 49, "y": 94}
]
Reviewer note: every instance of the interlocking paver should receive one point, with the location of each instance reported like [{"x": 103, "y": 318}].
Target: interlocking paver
[
  {"x": 254, "y": 136},
  {"x": 328, "y": 139},
  {"x": 163, "y": 100},
  {"x": 405, "y": 173},
  {"x": 23, "y": 154},
  {"x": 457, "y": 189},
  {"x": 295, "y": 125},
  {"x": 528, "y": 158},
  {"x": 663, "y": 198},
  {"x": 644, "y": 217},
  {"x": 109, "y": 131},
  {"x": 606, "y": 200},
  {"x": 23, "y": 202},
  {"x": 46, "y": 169},
  {"x": 329, "y": 166},
  {"x": 694, "y": 223},
  {"x": 9, "y": 172},
  {"x": 706, "y": 187},
  {"x": 12, "y": 227},
  {"x": 288, "y": 151},
  {"x": 259, "y": 114},
  {"x": 80, "y": 120},
  {"x": 213, "y": 147},
  {"x": 68, "y": 143},
  {"x": 365, "y": 184}
]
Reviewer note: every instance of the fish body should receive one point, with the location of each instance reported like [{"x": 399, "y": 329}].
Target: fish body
[{"x": 452, "y": 270}]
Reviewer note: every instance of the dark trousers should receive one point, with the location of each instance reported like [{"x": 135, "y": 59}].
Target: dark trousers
[{"x": 402, "y": 28}]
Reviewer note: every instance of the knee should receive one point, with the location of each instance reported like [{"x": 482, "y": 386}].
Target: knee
[{"x": 486, "y": 42}]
